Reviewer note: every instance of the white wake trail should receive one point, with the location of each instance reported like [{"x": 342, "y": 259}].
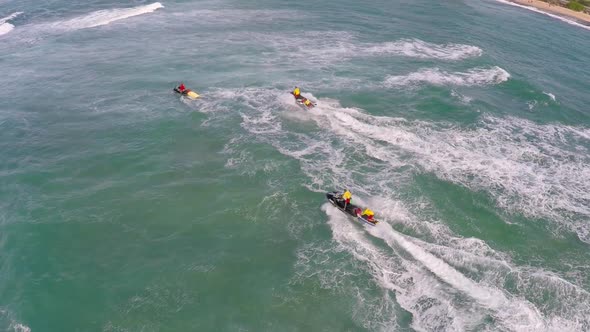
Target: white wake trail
[
  {"x": 104, "y": 17},
  {"x": 334, "y": 47},
  {"x": 446, "y": 282},
  {"x": 430, "y": 301},
  {"x": 473, "y": 77},
  {"x": 516, "y": 314},
  {"x": 528, "y": 168},
  {"x": 416, "y": 48}
]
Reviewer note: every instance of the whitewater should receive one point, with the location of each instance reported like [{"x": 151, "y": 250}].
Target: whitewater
[
  {"x": 6, "y": 27},
  {"x": 406, "y": 148},
  {"x": 125, "y": 207}
]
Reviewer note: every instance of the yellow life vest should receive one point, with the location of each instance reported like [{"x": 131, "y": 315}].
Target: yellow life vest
[
  {"x": 347, "y": 195},
  {"x": 296, "y": 92},
  {"x": 306, "y": 102},
  {"x": 368, "y": 212}
]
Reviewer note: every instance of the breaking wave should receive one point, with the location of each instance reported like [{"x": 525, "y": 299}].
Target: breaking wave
[{"x": 6, "y": 27}]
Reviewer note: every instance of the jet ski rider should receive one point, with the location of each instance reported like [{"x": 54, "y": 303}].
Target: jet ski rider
[
  {"x": 296, "y": 93},
  {"x": 182, "y": 88},
  {"x": 368, "y": 214},
  {"x": 346, "y": 196}
]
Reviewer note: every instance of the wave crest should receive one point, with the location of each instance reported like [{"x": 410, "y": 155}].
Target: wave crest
[
  {"x": 6, "y": 27},
  {"x": 104, "y": 17}
]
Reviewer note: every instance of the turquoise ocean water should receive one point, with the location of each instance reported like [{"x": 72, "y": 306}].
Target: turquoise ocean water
[{"x": 463, "y": 124}]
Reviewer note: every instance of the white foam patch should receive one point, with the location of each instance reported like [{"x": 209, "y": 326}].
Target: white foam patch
[
  {"x": 516, "y": 314},
  {"x": 324, "y": 262},
  {"x": 513, "y": 309},
  {"x": 20, "y": 328},
  {"x": 232, "y": 17},
  {"x": 8, "y": 322},
  {"x": 332, "y": 47},
  {"x": 420, "y": 49},
  {"x": 104, "y": 17},
  {"x": 561, "y": 18},
  {"x": 6, "y": 27},
  {"x": 10, "y": 17},
  {"x": 550, "y": 95},
  {"x": 473, "y": 77},
  {"x": 561, "y": 302},
  {"x": 431, "y": 294},
  {"x": 417, "y": 292},
  {"x": 531, "y": 105},
  {"x": 464, "y": 99}
]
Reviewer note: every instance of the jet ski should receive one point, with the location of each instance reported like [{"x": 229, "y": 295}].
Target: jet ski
[
  {"x": 350, "y": 209},
  {"x": 187, "y": 93},
  {"x": 303, "y": 102}
]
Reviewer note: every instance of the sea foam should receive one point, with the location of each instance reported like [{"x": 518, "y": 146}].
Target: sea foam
[
  {"x": 6, "y": 27},
  {"x": 445, "y": 281},
  {"x": 104, "y": 17},
  {"x": 435, "y": 76},
  {"x": 420, "y": 49}
]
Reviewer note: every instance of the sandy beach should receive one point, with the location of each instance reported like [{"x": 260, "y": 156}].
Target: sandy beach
[{"x": 561, "y": 11}]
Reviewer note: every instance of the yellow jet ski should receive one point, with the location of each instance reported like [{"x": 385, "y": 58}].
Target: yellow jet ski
[
  {"x": 186, "y": 92},
  {"x": 302, "y": 101}
]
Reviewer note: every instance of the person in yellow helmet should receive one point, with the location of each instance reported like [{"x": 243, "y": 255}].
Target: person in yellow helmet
[
  {"x": 368, "y": 214},
  {"x": 346, "y": 196},
  {"x": 307, "y": 102},
  {"x": 296, "y": 93}
]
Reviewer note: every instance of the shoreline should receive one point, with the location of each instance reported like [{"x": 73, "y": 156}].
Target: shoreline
[{"x": 561, "y": 12}]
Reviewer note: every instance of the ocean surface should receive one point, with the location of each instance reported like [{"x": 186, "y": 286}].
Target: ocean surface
[{"x": 123, "y": 207}]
